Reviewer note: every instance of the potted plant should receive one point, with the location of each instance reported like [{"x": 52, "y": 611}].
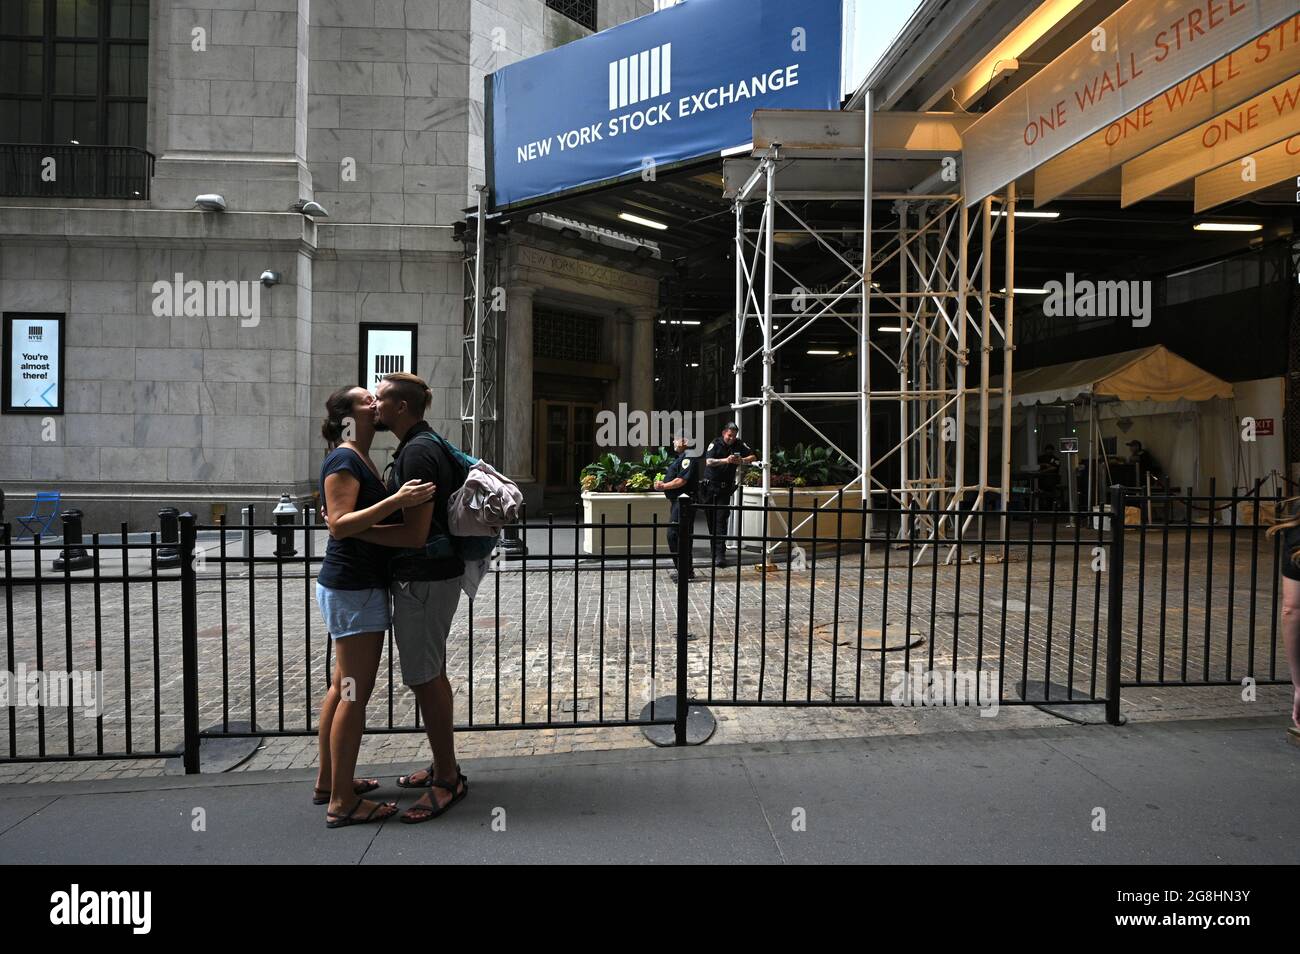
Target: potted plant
[
  {"x": 622, "y": 491},
  {"x": 803, "y": 478}
]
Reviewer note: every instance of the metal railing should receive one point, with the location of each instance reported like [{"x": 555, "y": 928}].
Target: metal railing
[
  {"x": 65, "y": 170},
  {"x": 205, "y": 631}
]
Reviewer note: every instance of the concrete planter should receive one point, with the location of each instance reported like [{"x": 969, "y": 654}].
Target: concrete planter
[
  {"x": 830, "y": 526},
  {"x": 614, "y": 509}
]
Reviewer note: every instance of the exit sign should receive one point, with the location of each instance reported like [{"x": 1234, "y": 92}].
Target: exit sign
[{"x": 1264, "y": 427}]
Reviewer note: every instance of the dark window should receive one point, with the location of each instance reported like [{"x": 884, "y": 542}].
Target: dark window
[
  {"x": 74, "y": 70},
  {"x": 557, "y": 334},
  {"x": 582, "y": 12}
]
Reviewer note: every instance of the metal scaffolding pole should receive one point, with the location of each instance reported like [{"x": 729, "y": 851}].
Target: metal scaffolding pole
[
  {"x": 475, "y": 397},
  {"x": 769, "y": 220},
  {"x": 1008, "y": 320},
  {"x": 864, "y": 329},
  {"x": 479, "y": 413}
]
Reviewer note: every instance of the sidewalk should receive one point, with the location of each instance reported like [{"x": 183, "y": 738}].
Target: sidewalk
[{"x": 1203, "y": 791}]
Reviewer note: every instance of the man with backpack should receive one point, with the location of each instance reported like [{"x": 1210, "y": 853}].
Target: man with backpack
[{"x": 426, "y": 581}]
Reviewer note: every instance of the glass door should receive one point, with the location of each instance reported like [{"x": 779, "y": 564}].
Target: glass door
[{"x": 567, "y": 433}]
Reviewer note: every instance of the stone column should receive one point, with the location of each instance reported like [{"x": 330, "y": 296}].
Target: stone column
[
  {"x": 517, "y": 406},
  {"x": 641, "y": 370}
]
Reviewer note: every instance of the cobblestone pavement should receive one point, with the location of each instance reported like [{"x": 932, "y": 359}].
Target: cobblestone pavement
[{"x": 536, "y": 645}]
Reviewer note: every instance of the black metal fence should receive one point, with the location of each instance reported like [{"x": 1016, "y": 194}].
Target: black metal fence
[
  {"x": 205, "y": 631},
  {"x": 66, "y": 170}
]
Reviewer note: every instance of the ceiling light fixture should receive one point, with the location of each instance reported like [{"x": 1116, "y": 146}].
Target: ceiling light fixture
[
  {"x": 1227, "y": 227},
  {"x": 1028, "y": 214},
  {"x": 637, "y": 220}
]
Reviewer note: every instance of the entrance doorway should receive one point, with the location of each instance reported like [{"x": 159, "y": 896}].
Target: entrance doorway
[{"x": 567, "y": 443}]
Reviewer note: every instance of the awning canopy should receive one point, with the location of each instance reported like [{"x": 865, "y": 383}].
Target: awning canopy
[{"x": 1146, "y": 374}]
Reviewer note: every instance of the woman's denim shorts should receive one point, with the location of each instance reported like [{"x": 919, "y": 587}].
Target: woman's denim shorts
[{"x": 348, "y": 612}]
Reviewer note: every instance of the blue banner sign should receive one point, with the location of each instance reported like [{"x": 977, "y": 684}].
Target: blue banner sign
[{"x": 674, "y": 85}]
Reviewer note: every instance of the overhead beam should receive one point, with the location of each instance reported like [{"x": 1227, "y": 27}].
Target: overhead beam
[{"x": 833, "y": 134}]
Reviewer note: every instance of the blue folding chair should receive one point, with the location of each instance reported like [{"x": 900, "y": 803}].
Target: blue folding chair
[{"x": 38, "y": 521}]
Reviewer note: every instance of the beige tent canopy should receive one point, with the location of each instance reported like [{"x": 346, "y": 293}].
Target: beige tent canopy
[
  {"x": 1145, "y": 374},
  {"x": 1153, "y": 384}
]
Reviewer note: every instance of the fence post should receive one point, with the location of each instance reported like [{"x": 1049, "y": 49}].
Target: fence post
[
  {"x": 1114, "y": 603},
  {"x": 190, "y": 642},
  {"x": 685, "y": 541},
  {"x": 249, "y": 517}
]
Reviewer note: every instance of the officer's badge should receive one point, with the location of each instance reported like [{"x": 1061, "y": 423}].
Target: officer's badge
[{"x": 686, "y": 464}]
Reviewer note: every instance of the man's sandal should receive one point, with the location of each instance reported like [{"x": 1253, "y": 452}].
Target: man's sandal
[
  {"x": 430, "y": 812},
  {"x": 381, "y": 811},
  {"x": 404, "y": 781},
  {"x": 321, "y": 796}
]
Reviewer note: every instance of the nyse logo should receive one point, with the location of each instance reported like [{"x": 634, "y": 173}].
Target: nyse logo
[
  {"x": 35, "y": 333},
  {"x": 641, "y": 76}
]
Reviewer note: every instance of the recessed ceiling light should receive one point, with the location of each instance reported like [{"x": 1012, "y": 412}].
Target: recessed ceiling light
[
  {"x": 1227, "y": 226},
  {"x": 820, "y": 351},
  {"x": 637, "y": 220},
  {"x": 1026, "y": 291},
  {"x": 1030, "y": 215},
  {"x": 891, "y": 328}
]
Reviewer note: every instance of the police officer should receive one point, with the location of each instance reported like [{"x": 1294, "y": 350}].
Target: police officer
[
  {"x": 681, "y": 478},
  {"x": 719, "y": 481}
]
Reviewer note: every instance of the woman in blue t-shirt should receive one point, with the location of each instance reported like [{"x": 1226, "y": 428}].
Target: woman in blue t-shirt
[
  {"x": 352, "y": 590},
  {"x": 1290, "y": 560}
]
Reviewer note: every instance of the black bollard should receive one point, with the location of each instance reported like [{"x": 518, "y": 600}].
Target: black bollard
[
  {"x": 169, "y": 553},
  {"x": 74, "y": 555},
  {"x": 284, "y": 513},
  {"x": 512, "y": 548}
]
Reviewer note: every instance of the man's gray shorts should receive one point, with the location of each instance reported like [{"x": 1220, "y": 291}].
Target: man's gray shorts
[{"x": 422, "y": 615}]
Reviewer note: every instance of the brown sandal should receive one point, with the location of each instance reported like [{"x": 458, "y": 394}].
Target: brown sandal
[
  {"x": 404, "y": 781},
  {"x": 360, "y": 786},
  {"x": 381, "y": 812},
  {"x": 430, "y": 812}
]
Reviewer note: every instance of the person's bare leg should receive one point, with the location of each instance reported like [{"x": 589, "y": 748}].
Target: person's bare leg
[
  {"x": 1291, "y": 637},
  {"x": 358, "y": 661},
  {"x": 436, "y": 708},
  {"x": 420, "y": 776},
  {"x": 327, "y": 707}
]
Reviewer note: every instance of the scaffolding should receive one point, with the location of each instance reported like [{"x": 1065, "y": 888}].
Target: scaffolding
[
  {"x": 480, "y": 405},
  {"x": 929, "y": 272}
]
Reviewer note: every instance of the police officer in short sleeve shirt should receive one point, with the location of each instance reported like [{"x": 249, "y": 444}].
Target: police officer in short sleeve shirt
[
  {"x": 719, "y": 481},
  {"x": 680, "y": 479}
]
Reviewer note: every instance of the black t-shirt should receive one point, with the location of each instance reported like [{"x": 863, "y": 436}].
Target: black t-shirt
[
  {"x": 350, "y": 563},
  {"x": 425, "y": 459},
  {"x": 724, "y": 473},
  {"x": 683, "y": 466},
  {"x": 1147, "y": 464},
  {"x": 1290, "y": 544}
]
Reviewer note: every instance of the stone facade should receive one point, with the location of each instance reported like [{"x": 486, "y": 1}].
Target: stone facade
[{"x": 374, "y": 108}]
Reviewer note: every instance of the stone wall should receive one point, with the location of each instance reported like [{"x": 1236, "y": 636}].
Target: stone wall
[{"x": 191, "y": 411}]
